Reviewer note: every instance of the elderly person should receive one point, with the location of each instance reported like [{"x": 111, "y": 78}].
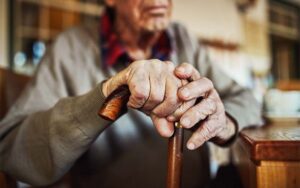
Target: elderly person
[{"x": 53, "y": 128}]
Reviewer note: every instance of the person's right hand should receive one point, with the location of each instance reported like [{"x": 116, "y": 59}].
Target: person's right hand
[{"x": 153, "y": 87}]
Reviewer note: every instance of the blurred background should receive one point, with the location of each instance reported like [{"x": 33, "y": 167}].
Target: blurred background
[{"x": 255, "y": 41}]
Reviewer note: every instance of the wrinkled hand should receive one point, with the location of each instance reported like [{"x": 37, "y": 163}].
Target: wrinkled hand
[
  {"x": 209, "y": 113},
  {"x": 153, "y": 87}
]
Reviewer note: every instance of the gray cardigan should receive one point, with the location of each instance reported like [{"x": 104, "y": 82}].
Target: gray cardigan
[{"x": 53, "y": 127}]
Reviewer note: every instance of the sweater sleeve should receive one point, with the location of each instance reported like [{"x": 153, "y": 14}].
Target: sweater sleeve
[{"x": 46, "y": 130}]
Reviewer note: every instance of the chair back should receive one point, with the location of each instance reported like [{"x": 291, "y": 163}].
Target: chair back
[{"x": 11, "y": 86}]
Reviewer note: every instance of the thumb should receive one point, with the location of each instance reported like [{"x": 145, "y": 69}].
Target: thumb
[
  {"x": 164, "y": 127},
  {"x": 187, "y": 71},
  {"x": 181, "y": 110},
  {"x": 114, "y": 82}
]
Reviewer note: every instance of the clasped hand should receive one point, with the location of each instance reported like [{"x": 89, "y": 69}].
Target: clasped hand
[{"x": 167, "y": 93}]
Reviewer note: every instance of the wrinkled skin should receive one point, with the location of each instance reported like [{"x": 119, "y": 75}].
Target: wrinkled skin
[{"x": 159, "y": 89}]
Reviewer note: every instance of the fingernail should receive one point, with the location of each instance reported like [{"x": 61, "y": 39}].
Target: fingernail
[
  {"x": 191, "y": 146},
  {"x": 185, "y": 122},
  {"x": 185, "y": 93}
]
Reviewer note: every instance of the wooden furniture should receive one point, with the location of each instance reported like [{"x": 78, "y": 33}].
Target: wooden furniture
[
  {"x": 288, "y": 85},
  {"x": 11, "y": 86},
  {"x": 269, "y": 156},
  {"x": 43, "y": 19},
  {"x": 284, "y": 31}
]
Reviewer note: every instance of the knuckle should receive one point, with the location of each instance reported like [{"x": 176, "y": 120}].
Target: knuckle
[
  {"x": 139, "y": 94},
  {"x": 172, "y": 100},
  {"x": 156, "y": 98},
  {"x": 169, "y": 63},
  {"x": 185, "y": 64},
  {"x": 157, "y": 112},
  {"x": 137, "y": 64},
  {"x": 159, "y": 67},
  {"x": 169, "y": 66},
  {"x": 210, "y": 130},
  {"x": 134, "y": 103},
  {"x": 210, "y": 104},
  {"x": 198, "y": 113},
  {"x": 209, "y": 82},
  {"x": 155, "y": 62},
  {"x": 206, "y": 134}
]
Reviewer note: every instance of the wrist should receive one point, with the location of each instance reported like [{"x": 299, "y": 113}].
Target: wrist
[
  {"x": 228, "y": 134},
  {"x": 231, "y": 128}
]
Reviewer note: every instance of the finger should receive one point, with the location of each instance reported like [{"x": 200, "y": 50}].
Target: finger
[
  {"x": 158, "y": 83},
  {"x": 195, "y": 89},
  {"x": 179, "y": 111},
  {"x": 171, "y": 101},
  {"x": 213, "y": 94},
  {"x": 182, "y": 108},
  {"x": 171, "y": 66},
  {"x": 157, "y": 92},
  {"x": 168, "y": 68},
  {"x": 163, "y": 127},
  {"x": 139, "y": 87},
  {"x": 187, "y": 71},
  {"x": 204, "y": 133},
  {"x": 114, "y": 82},
  {"x": 197, "y": 113}
]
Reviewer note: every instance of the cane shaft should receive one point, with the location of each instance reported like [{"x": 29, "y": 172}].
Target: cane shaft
[
  {"x": 175, "y": 157},
  {"x": 115, "y": 105}
]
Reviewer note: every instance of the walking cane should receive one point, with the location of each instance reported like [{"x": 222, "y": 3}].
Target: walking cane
[{"x": 115, "y": 105}]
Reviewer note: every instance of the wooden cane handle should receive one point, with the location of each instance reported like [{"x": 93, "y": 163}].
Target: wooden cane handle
[{"x": 115, "y": 104}]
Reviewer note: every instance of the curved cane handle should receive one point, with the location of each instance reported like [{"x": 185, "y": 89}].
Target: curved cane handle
[{"x": 115, "y": 104}]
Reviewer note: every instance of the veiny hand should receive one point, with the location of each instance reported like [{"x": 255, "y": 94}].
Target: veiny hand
[
  {"x": 209, "y": 113},
  {"x": 153, "y": 87}
]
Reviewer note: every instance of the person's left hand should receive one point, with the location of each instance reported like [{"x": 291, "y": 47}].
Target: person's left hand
[{"x": 209, "y": 113}]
